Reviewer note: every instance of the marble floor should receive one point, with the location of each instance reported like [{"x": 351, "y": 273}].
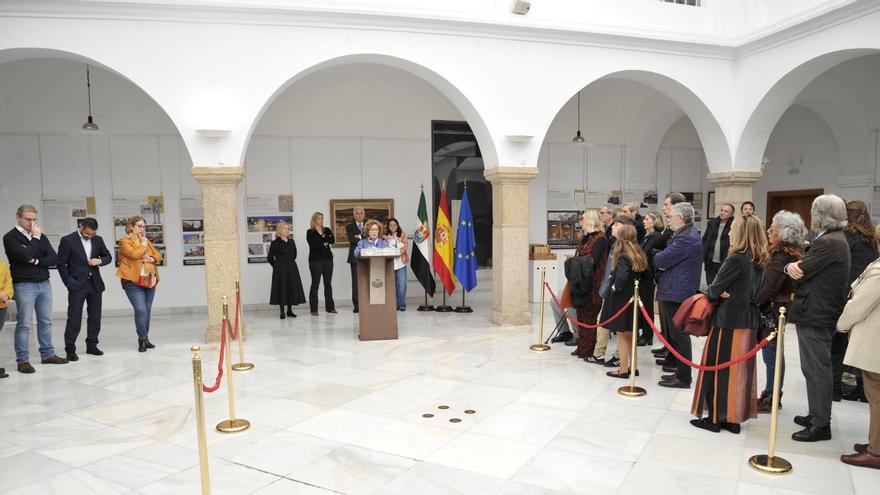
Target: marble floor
[{"x": 331, "y": 414}]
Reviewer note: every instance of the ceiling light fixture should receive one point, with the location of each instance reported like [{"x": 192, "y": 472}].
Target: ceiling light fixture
[
  {"x": 90, "y": 125},
  {"x": 578, "y": 138}
]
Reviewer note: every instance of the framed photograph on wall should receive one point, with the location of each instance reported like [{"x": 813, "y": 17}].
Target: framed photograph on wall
[
  {"x": 564, "y": 228},
  {"x": 342, "y": 213}
]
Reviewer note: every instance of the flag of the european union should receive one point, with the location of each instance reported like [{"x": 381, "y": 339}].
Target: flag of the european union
[{"x": 465, "y": 265}]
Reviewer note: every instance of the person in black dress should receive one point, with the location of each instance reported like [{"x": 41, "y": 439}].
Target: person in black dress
[
  {"x": 653, "y": 222},
  {"x": 287, "y": 289},
  {"x": 320, "y": 239}
]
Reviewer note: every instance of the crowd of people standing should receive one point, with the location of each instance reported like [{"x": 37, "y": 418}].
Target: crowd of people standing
[{"x": 827, "y": 277}]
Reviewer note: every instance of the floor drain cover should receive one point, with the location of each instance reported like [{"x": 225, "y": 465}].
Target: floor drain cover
[
  {"x": 428, "y": 415},
  {"x": 442, "y": 407},
  {"x": 455, "y": 420},
  {"x": 470, "y": 411}
]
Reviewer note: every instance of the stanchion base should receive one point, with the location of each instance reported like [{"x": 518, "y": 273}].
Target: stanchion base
[
  {"x": 463, "y": 309},
  {"x": 775, "y": 466},
  {"x": 425, "y": 307},
  {"x": 242, "y": 366},
  {"x": 631, "y": 391},
  {"x": 540, "y": 347},
  {"x": 443, "y": 309},
  {"x": 233, "y": 425}
]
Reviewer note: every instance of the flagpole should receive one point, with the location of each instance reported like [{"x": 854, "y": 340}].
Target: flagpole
[
  {"x": 426, "y": 306},
  {"x": 464, "y": 308},
  {"x": 423, "y": 228},
  {"x": 443, "y": 308}
]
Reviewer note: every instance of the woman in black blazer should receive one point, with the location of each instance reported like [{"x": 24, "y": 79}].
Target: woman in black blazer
[
  {"x": 729, "y": 396},
  {"x": 320, "y": 239},
  {"x": 653, "y": 232}
]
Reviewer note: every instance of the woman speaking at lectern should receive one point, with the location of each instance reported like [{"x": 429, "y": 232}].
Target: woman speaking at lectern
[{"x": 373, "y": 241}]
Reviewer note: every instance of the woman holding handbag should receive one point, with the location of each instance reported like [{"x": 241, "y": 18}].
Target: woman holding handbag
[
  {"x": 139, "y": 273},
  {"x": 785, "y": 236},
  {"x": 728, "y": 396}
]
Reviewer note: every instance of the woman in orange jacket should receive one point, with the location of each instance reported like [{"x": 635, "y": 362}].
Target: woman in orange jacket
[
  {"x": 138, "y": 261},
  {"x": 6, "y": 294}
]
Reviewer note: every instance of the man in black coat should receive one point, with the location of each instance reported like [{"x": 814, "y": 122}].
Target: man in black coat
[
  {"x": 716, "y": 241},
  {"x": 818, "y": 303},
  {"x": 80, "y": 256},
  {"x": 355, "y": 232},
  {"x": 632, "y": 210},
  {"x": 30, "y": 257}
]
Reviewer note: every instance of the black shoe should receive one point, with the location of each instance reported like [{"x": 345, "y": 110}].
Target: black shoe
[
  {"x": 641, "y": 342},
  {"x": 142, "y": 346},
  {"x": 858, "y": 395},
  {"x": 804, "y": 421},
  {"x": 282, "y": 316},
  {"x": 560, "y": 337},
  {"x": 812, "y": 434},
  {"x": 576, "y": 353},
  {"x": 617, "y": 374},
  {"x": 571, "y": 343},
  {"x": 661, "y": 361},
  {"x": 667, "y": 378},
  {"x": 670, "y": 368},
  {"x": 355, "y": 310},
  {"x": 658, "y": 351},
  {"x": 705, "y": 424},
  {"x": 836, "y": 394},
  {"x": 731, "y": 427},
  {"x": 612, "y": 363},
  {"x": 94, "y": 351},
  {"x": 3, "y": 373},
  {"x": 71, "y": 356},
  {"x": 676, "y": 383},
  {"x": 149, "y": 344},
  {"x": 594, "y": 360},
  {"x": 291, "y": 313}
]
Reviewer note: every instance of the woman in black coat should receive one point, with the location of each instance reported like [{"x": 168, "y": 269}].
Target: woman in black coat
[
  {"x": 729, "y": 395},
  {"x": 653, "y": 233},
  {"x": 628, "y": 263},
  {"x": 287, "y": 289},
  {"x": 320, "y": 239}
]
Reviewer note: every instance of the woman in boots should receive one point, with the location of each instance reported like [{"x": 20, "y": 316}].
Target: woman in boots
[
  {"x": 287, "y": 289},
  {"x": 595, "y": 245}
]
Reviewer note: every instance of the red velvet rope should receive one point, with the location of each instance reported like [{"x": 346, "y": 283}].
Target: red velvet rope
[
  {"x": 701, "y": 367},
  {"x": 584, "y": 325},
  {"x": 216, "y": 385},
  {"x": 233, "y": 332}
]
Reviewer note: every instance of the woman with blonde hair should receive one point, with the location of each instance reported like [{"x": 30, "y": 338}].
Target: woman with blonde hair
[
  {"x": 138, "y": 270},
  {"x": 729, "y": 396},
  {"x": 628, "y": 263},
  {"x": 287, "y": 289},
  {"x": 588, "y": 305},
  {"x": 320, "y": 238}
]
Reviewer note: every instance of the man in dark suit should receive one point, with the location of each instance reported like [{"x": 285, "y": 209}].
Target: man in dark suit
[
  {"x": 716, "y": 241},
  {"x": 80, "y": 256},
  {"x": 632, "y": 210},
  {"x": 30, "y": 257},
  {"x": 817, "y": 305},
  {"x": 355, "y": 231}
]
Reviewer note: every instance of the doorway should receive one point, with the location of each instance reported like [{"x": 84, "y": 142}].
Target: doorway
[{"x": 799, "y": 201}]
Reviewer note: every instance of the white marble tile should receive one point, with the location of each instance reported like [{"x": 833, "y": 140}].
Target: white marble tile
[
  {"x": 339, "y": 425},
  {"x": 485, "y": 455},
  {"x": 633, "y": 417},
  {"x": 329, "y": 394},
  {"x": 672, "y": 452},
  {"x": 644, "y": 478},
  {"x": 809, "y": 474},
  {"x": 432, "y": 479},
  {"x": 384, "y": 404},
  {"x": 16, "y": 414},
  {"x": 74, "y": 481},
  {"x": 28, "y": 467},
  {"x": 7, "y": 449},
  {"x": 93, "y": 446},
  {"x": 281, "y": 452},
  {"x": 522, "y": 426},
  {"x": 352, "y": 470},
  {"x": 281, "y": 413},
  {"x": 52, "y": 431},
  {"x": 678, "y": 424},
  {"x": 570, "y": 472},
  {"x": 601, "y": 441},
  {"x": 290, "y": 487},
  {"x": 226, "y": 479},
  {"x": 406, "y": 439}
]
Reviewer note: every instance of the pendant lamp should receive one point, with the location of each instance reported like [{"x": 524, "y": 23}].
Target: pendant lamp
[
  {"x": 578, "y": 138},
  {"x": 90, "y": 125}
]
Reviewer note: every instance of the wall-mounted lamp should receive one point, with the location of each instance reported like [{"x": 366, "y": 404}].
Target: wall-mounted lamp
[{"x": 213, "y": 133}]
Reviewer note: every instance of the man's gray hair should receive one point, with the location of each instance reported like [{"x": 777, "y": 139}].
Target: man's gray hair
[
  {"x": 791, "y": 228},
  {"x": 632, "y": 206},
  {"x": 356, "y": 208},
  {"x": 685, "y": 210},
  {"x": 25, "y": 209},
  {"x": 828, "y": 212}
]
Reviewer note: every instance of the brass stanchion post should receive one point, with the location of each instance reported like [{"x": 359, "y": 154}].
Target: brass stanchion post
[
  {"x": 233, "y": 424},
  {"x": 541, "y": 346},
  {"x": 241, "y": 365},
  {"x": 631, "y": 390},
  {"x": 770, "y": 464},
  {"x": 200, "y": 420}
]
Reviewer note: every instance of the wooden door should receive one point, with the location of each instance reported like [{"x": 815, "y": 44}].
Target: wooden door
[{"x": 799, "y": 201}]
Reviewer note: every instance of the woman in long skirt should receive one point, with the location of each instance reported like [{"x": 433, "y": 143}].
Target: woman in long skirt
[
  {"x": 593, "y": 244},
  {"x": 287, "y": 288},
  {"x": 728, "y": 396}
]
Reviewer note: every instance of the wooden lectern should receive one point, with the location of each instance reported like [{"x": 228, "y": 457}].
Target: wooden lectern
[{"x": 377, "y": 297}]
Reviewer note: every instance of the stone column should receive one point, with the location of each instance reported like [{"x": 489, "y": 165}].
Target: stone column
[
  {"x": 222, "y": 253},
  {"x": 510, "y": 244},
  {"x": 734, "y": 187}
]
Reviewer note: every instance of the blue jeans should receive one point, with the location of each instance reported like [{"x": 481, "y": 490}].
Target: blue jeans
[
  {"x": 769, "y": 355},
  {"x": 400, "y": 282},
  {"x": 141, "y": 299},
  {"x": 30, "y": 297}
]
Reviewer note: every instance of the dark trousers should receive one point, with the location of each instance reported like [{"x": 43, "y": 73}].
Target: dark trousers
[
  {"x": 75, "y": 299},
  {"x": 354, "y": 284},
  {"x": 711, "y": 271},
  {"x": 321, "y": 269},
  {"x": 680, "y": 340},
  {"x": 814, "y": 344},
  {"x": 839, "y": 344}
]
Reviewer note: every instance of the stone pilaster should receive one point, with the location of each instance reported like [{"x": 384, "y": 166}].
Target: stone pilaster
[
  {"x": 222, "y": 254},
  {"x": 734, "y": 187},
  {"x": 510, "y": 244}
]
